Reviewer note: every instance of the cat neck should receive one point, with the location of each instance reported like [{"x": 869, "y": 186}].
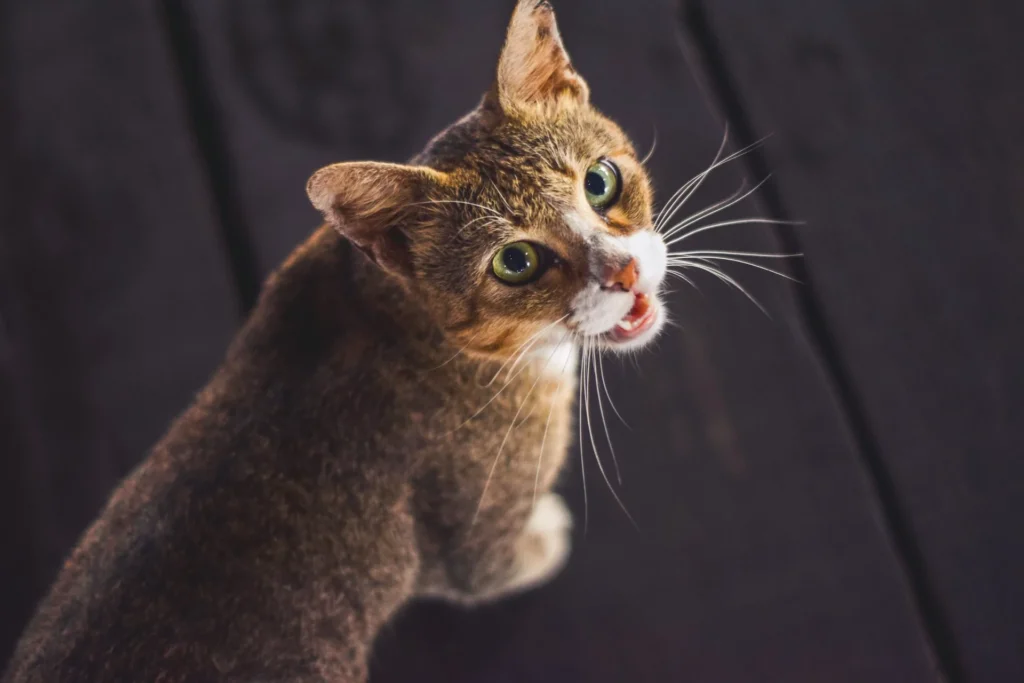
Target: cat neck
[{"x": 556, "y": 358}]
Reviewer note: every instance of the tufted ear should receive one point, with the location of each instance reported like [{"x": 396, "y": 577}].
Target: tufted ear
[
  {"x": 369, "y": 202},
  {"x": 534, "y": 71}
]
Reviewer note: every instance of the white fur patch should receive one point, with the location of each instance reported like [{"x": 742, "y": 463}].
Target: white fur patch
[
  {"x": 550, "y": 515},
  {"x": 555, "y": 359},
  {"x": 550, "y": 523},
  {"x": 595, "y": 310},
  {"x": 651, "y": 254}
]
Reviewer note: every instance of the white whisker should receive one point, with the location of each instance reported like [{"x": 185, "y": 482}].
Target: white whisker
[
  {"x": 514, "y": 356},
  {"x": 707, "y": 211},
  {"x": 604, "y": 421},
  {"x": 593, "y": 445},
  {"x": 748, "y": 263},
  {"x": 521, "y": 352},
  {"x": 654, "y": 145},
  {"x": 493, "y": 398},
  {"x": 726, "y": 252},
  {"x": 723, "y": 224},
  {"x": 728, "y": 280},
  {"x": 600, "y": 364},
  {"x": 547, "y": 424},
  {"x": 503, "y": 200},
  {"x": 459, "y": 352},
  {"x": 680, "y": 276},
  {"x": 522, "y": 355},
  {"x": 694, "y": 184},
  {"x": 711, "y": 211},
  {"x": 457, "y": 201},
  {"x": 666, "y": 214},
  {"x": 583, "y": 461},
  {"x": 677, "y": 202},
  {"x": 488, "y": 220},
  {"x": 508, "y": 433}
]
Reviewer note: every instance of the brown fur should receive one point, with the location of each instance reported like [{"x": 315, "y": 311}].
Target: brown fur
[{"x": 330, "y": 472}]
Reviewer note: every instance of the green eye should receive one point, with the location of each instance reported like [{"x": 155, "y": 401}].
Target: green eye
[
  {"x": 602, "y": 184},
  {"x": 516, "y": 263}
]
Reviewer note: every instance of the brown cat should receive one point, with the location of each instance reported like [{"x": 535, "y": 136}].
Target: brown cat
[{"x": 389, "y": 422}]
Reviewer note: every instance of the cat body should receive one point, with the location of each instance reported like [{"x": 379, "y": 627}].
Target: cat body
[
  {"x": 389, "y": 422},
  {"x": 256, "y": 501}
]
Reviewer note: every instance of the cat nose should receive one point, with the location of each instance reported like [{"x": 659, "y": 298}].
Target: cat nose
[{"x": 623, "y": 279}]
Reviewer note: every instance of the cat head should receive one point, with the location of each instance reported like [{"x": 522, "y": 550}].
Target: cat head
[{"x": 527, "y": 223}]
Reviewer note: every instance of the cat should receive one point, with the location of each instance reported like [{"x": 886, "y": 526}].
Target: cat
[{"x": 390, "y": 421}]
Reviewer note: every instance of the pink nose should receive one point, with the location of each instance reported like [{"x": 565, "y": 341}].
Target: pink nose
[{"x": 623, "y": 279}]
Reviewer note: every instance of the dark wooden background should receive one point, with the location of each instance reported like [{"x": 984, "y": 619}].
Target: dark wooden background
[{"x": 834, "y": 493}]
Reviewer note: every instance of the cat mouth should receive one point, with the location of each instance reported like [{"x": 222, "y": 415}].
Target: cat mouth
[{"x": 637, "y": 322}]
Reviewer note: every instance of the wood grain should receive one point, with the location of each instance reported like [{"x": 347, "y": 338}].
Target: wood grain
[{"x": 898, "y": 138}]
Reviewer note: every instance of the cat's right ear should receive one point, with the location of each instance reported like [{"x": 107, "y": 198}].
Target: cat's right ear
[
  {"x": 368, "y": 202},
  {"x": 535, "y": 74}
]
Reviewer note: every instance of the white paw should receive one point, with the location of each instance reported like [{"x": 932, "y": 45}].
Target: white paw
[
  {"x": 549, "y": 515},
  {"x": 545, "y": 544}
]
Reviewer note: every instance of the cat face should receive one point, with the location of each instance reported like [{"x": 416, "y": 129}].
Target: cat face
[{"x": 523, "y": 226}]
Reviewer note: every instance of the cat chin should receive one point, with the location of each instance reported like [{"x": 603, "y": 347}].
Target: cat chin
[{"x": 635, "y": 332}]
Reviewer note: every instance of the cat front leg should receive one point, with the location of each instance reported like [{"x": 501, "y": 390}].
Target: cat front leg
[
  {"x": 543, "y": 548},
  {"x": 501, "y": 557}
]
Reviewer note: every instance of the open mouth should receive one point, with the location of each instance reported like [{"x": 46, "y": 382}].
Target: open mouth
[{"x": 639, "y": 320}]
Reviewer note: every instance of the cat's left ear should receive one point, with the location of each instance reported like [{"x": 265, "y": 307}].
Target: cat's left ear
[
  {"x": 369, "y": 203},
  {"x": 534, "y": 71}
]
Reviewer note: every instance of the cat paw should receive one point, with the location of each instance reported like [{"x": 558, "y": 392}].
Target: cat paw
[
  {"x": 550, "y": 515},
  {"x": 545, "y": 544}
]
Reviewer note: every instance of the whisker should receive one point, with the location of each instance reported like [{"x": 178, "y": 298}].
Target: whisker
[
  {"x": 694, "y": 184},
  {"x": 727, "y": 252},
  {"x": 457, "y": 201},
  {"x": 520, "y": 352},
  {"x": 728, "y": 280},
  {"x": 597, "y": 454},
  {"x": 583, "y": 461},
  {"x": 547, "y": 424},
  {"x": 680, "y": 276},
  {"x": 600, "y": 364},
  {"x": 522, "y": 355},
  {"x": 665, "y": 216},
  {"x": 748, "y": 263},
  {"x": 674, "y": 203},
  {"x": 604, "y": 421},
  {"x": 707, "y": 211},
  {"x": 739, "y": 221},
  {"x": 654, "y": 145},
  {"x": 711, "y": 211},
  {"x": 508, "y": 432},
  {"x": 503, "y": 200},
  {"x": 489, "y": 220},
  {"x": 459, "y": 352},
  {"x": 493, "y": 398}
]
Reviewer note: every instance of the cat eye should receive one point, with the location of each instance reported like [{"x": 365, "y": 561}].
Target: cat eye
[
  {"x": 517, "y": 263},
  {"x": 602, "y": 184}
]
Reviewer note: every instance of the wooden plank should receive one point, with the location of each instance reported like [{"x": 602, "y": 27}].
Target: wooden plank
[
  {"x": 114, "y": 300},
  {"x": 760, "y": 556},
  {"x": 899, "y": 138}
]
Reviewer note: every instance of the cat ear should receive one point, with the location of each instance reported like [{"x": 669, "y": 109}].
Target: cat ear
[
  {"x": 368, "y": 203},
  {"x": 534, "y": 70}
]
